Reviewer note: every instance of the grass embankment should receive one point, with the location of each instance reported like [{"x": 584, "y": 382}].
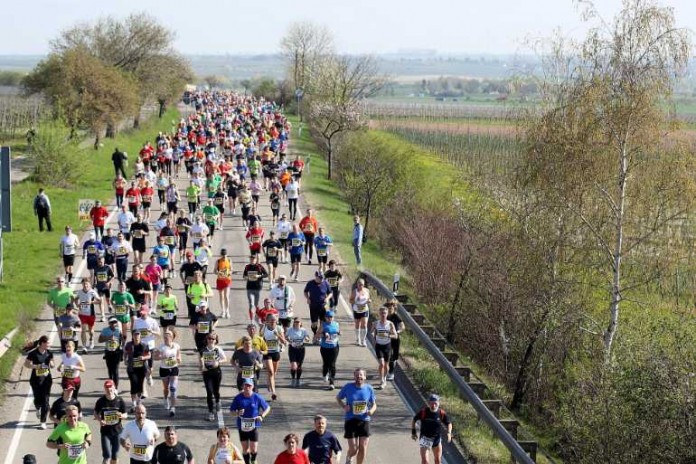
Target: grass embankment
[
  {"x": 334, "y": 213},
  {"x": 32, "y": 258}
]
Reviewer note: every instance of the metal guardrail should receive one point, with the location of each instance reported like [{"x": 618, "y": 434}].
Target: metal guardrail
[{"x": 464, "y": 389}]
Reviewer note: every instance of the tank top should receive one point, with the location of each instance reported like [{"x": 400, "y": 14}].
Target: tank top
[
  {"x": 168, "y": 356},
  {"x": 224, "y": 268},
  {"x": 271, "y": 337},
  {"x": 382, "y": 332},
  {"x": 223, "y": 454},
  {"x": 361, "y": 299}
]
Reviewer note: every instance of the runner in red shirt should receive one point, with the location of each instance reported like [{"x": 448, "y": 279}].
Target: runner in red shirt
[
  {"x": 119, "y": 185},
  {"x": 309, "y": 226},
  {"x": 146, "y": 194},
  {"x": 255, "y": 237},
  {"x": 98, "y": 214},
  {"x": 133, "y": 198},
  {"x": 292, "y": 454},
  {"x": 262, "y": 313}
]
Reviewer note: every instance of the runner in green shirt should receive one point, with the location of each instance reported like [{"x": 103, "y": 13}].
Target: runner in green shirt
[
  {"x": 211, "y": 215},
  {"x": 123, "y": 303},
  {"x": 192, "y": 193},
  {"x": 168, "y": 306},
  {"x": 59, "y": 297},
  {"x": 71, "y": 438},
  {"x": 254, "y": 165}
]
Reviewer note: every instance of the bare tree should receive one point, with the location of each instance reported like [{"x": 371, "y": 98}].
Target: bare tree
[{"x": 598, "y": 158}]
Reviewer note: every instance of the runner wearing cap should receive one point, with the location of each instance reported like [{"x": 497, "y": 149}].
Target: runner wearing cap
[
  {"x": 202, "y": 323},
  {"x": 358, "y": 401},
  {"x": 211, "y": 355},
  {"x": 329, "y": 347},
  {"x": 431, "y": 418},
  {"x": 110, "y": 410},
  {"x": 168, "y": 307},
  {"x": 282, "y": 297},
  {"x": 169, "y": 356},
  {"x": 223, "y": 270},
  {"x": 360, "y": 299},
  {"x": 275, "y": 340},
  {"x": 317, "y": 292},
  {"x": 60, "y": 404},
  {"x": 250, "y": 409},
  {"x": 297, "y": 336},
  {"x": 112, "y": 337}
]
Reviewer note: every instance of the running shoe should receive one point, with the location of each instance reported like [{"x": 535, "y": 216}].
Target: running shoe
[
  {"x": 331, "y": 387},
  {"x": 166, "y": 404},
  {"x": 211, "y": 417},
  {"x": 172, "y": 412},
  {"x": 274, "y": 397},
  {"x": 390, "y": 376},
  {"x": 91, "y": 343},
  {"x": 326, "y": 378},
  {"x": 42, "y": 426},
  {"x": 38, "y": 414},
  {"x": 150, "y": 382}
]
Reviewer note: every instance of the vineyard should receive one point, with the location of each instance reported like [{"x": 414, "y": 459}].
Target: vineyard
[{"x": 18, "y": 114}]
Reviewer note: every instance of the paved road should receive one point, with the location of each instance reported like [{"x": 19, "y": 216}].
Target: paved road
[{"x": 293, "y": 411}]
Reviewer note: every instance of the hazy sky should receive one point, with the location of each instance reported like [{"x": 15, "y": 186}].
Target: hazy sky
[{"x": 233, "y": 26}]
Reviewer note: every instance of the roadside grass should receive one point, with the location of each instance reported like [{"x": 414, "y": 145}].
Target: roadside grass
[
  {"x": 31, "y": 258},
  {"x": 334, "y": 213}
]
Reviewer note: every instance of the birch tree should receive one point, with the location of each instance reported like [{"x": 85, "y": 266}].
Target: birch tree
[{"x": 600, "y": 156}]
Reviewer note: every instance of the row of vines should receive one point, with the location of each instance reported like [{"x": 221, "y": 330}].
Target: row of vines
[{"x": 18, "y": 114}]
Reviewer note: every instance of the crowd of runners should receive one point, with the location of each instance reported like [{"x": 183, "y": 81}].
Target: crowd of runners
[{"x": 232, "y": 154}]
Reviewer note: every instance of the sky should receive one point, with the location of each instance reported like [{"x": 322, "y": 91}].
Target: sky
[{"x": 358, "y": 26}]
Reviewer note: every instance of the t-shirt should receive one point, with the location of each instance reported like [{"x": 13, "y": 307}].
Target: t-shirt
[
  {"x": 60, "y": 299},
  {"x": 253, "y": 406},
  {"x": 75, "y": 437},
  {"x": 360, "y": 399},
  {"x": 300, "y": 457},
  {"x": 120, "y": 302},
  {"x": 247, "y": 362},
  {"x": 110, "y": 411},
  {"x": 167, "y": 306},
  {"x": 69, "y": 244},
  {"x": 321, "y": 447},
  {"x": 430, "y": 421},
  {"x": 165, "y": 454},
  {"x": 112, "y": 339},
  {"x": 329, "y": 334},
  {"x": 333, "y": 277},
  {"x": 297, "y": 240},
  {"x": 59, "y": 405},
  {"x": 212, "y": 355},
  {"x": 43, "y": 360}
]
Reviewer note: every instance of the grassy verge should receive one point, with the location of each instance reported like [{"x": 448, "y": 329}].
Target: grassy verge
[
  {"x": 334, "y": 213},
  {"x": 32, "y": 258}
]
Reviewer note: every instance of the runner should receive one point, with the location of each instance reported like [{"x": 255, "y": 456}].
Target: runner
[
  {"x": 154, "y": 274},
  {"x": 274, "y": 200},
  {"x": 68, "y": 247},
  {"x": 254, "y": 273},
  {"x": 275, "y": 340},
  {"x": 245, "y": 203},
  {"x": 110, "y": 410},
  {"x": 247, "y": 358},
  {"x": 133, "y": 198},
  {"x": 283, "y": 229},
  {"x": 103, "y": 276},
  {"x": 223, "y": 270},
  {"x": 431, "y": 418},
  {"x": 250, "y": 409},
  {"x": 139, "y": 287},
  {"x": 125, "y": 219},
  {"x": 70, "y": 367},
  {"x": 71, "y": 438},
  {"x": 119, "y": 185},
  {"x": 321, "y": 445},
  {"x": 163, "y": 252},
  {"x": 112, "y": 337},
  {"x": 224, "y": 451},
  {"x": 86, "y": 299},
  {"x": 323, "y": 244},
  {"x": 193, "y": 193},
  {"x": 297, "y": 336},
  {"x": 108, "y": 240},
  {"x": 395, "y": 342},
  {"x": 317, "y": 292},
  {"x": 211, "y": 356},
  {"x": 40, "y": 361},
  {"x": 334, "y": 277},
  {"x": 309, "y": 227},
  {"x": 139, "y": 436},
  {"x": 263, "y": 312},
  {"x": 212, "y": 217},
  {"x": 139, "y": 231},
  {"x": 219, "y": 200},
  {"x": 149, "y": 330},
  {"x": 197, "y": 292},
  {"x": 162, "y": 183},
  {"x": 202, "y": 324},
  {"x": 357, "y": 399},
  {"x": 292, "y": 454},
  {"x": 121, "y": 249},
  {"x": 296, "y": 239},
  {"x": 91, "y": 250},
  {"x": 59, "y": 297},
  {"x": 172, "y": 197},
  {"x": 383, "y": 332},
  {"x": 283, "y": 298},
  {"x": 360, "y": 300},
  {"x": 168, "y": 307},
  {"x": 135, "y": 356},
  {"x": 271, "y": 249},
  {"x": 123, "y": 304},
  {"x": 68, "y": 327},
  {"x": 329, "y": 348},
  {"x": 254, "y": 237},
  {"x": 198, "y": 232},
  {"x": 146, "y": 194},
  {"x": 168, "y": 234},
  {"x": 183, "y": 226},
  {"x": 169, "y": 356},
  {"x": 292, "y": 189},
  {"x": 60, "y": 405},
  {"x": 172, "y": 451}
]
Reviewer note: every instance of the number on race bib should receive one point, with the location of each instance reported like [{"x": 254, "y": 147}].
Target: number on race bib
[
  {"x": 247, "y": 372},
  {"x": 359, "y": 407},
  {"x": 425, "y": 442},
  {"x": 247, "y": 425},
  {"x": 74, "y": 451}
]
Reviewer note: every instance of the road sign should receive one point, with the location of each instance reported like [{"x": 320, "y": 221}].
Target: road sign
[{"x": 5, "y": 190}]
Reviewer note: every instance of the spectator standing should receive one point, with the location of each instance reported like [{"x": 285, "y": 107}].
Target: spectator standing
[
  {"x": 42, "y": 210},
  {"x": 358, "y": 237},
  {"x": 119, "y": 159}
]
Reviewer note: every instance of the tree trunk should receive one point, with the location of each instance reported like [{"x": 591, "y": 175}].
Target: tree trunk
[
  {"x": 162, "y": 108},
  {"x": 110, "y": 131},
  {"x": 97, "y": 140},
  {"x": 523, "y": 372},
  {"x": 453, "y": 313},
  {"x": 136, "y": 121},
  {"x": 329, "y": 158},
  {"x": 368, "y": 209},
  {"x": 610, "y": 332}
]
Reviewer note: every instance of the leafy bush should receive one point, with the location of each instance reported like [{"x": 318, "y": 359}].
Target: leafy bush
[{"x": 55, "y": 156}]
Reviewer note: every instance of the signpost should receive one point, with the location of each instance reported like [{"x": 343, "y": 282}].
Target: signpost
[{"x": 5, "y": 201}]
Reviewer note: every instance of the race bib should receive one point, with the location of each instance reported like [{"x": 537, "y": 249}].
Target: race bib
[
  {"x": 296, "y": 242},
  {"x": 272, "y": 345},
  {"x": 255, "y": 239},
  {"x": 138, "y": 363},
  {"x": 101, "y": 277},
  {"x": 168, "y": 315},
  {"x": 308, "y": 228},
  {"x": 137, "y": 233},
  {"x": 359, "y": 407},
  {"x": 131, "y": 199},
  {"x": 247, "y": 425},
  {"x": 91, "y": 249},
  {"x": 203, "y": 327},
  {"x": 170, "y": 362},
  {"x": 163, "y": 253},
  {"x": 360, "y": 308},
  {"x": 219, "y": 200},
  {"x": 247, "y": 372},
  {"x": 147, "y": 198},
  {"x": 112, "y": 345},
  {"x": 85, "y": 309},
  {"x": 144, "y": 332},
  {"x": 284, "y": 235},
  {"x": 170, "y": 240},
  {"x": 425, "y": 442},
  {"x": 122, "y": 251},
  {"x": 321, "y": 252},
  {"x": 297, "y": 342},
  {"x": 111, "y": 416},
  {"x": 120, "y": 310},
  {"x": 383, "y": 336},
  {"x": 67, "y": 334},
  {"x": 59, "y": 312},
  {"x": 197, "y": 235},
  {"x": 42, "y": 371},
  {"x": 333, "y": 281},
  {"x": 74, "y": 451},
  {"x": 188, "y": 280},
  {"x": 252, "y": 276},
  {"x": 181, "y": 229},
  {"x": 139, "y": 450},
  {"x": 209, "y": 358},
  {"x": 68, "y": 372},
  {"x": 271, "y": 252}
]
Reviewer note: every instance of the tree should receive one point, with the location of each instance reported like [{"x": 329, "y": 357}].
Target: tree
[
  {"x": 163, "y": 78},
  {"x": 335, "y": 103},
  {"x": 598, "y": 159},
  {"x": 303, "y": 47},
  {"x": 214, "y": 81},
  {"x": 84, "y": 91}
]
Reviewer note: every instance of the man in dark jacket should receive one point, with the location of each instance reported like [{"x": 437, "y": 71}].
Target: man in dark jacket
[
  {"x": 119, "y": 158},
  {"x": 42, "y": 210}
]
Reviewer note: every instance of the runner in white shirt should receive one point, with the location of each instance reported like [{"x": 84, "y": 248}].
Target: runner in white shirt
[
  {"x": 383, "y": 330},
  {"x": 139, "y": 436},
  {"x": 125, "y": 219},
  {"x": 149, "y": 329},
  {"x": 283, "y": 299},
  {"x": 69, "y": 244},
  {"x": 198, "y": 231},
  {"x": 283, "y": 229},
  {"x": 169, "y": 356}
]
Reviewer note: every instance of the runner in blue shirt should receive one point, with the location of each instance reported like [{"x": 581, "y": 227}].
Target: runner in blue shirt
[
  {"x": 92, "y": 249},
  {"x": 296, "y": 239},
  {"x": 320, "y": 444},
  {"x": 322, "y": 243},
  {"x": 250, "y": 408},
  {"x": 358, "y": 402}
]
